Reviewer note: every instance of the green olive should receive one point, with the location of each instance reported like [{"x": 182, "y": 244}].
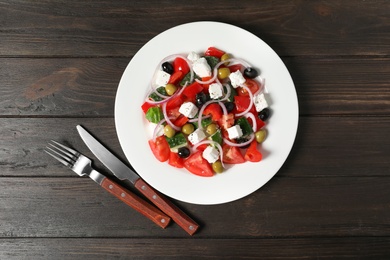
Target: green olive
[
  {"x": 224, "y": 57},
  {"x": 217, "y": 166},
  {"x": 260, "y": 135},
  {"x": 223, "y": 73},
  {"x": 211, "y": 129},
  {"x": 187, "y": 128},
  {"x": 170, "y": 89},
  {"x": 169, "y": 131}
]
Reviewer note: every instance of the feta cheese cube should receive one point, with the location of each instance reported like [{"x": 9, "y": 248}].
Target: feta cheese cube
[
  {"x": 215, "y": 90},
  {"x": 193, "y": 56},
  {"x": 201, "y": 68},
  {"x": 188, "y": 109},
  {"x": 236, "y": 78},
  {"x": 158, "y": 129},
  {"x": 162, "y": 78},
  {"x": 234, "y": 132},
  {"x": 211, "y": 154},
  {"x": 197, "y": 136},
  {"x": 260, "y": 102}
]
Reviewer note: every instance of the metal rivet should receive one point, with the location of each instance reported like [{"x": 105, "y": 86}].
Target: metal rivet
[
  {"x": 162, "y": 220},
  {"x": 154, "y": 197},
  {"x": 143, "y": 187},
  {"x": 123, "y": 195},
  {"x": 191, "y": 227},
  {"x": 110, "y": 186}
]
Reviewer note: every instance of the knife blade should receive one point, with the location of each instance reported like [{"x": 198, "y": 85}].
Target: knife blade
[{"x": 124, "y": 173}]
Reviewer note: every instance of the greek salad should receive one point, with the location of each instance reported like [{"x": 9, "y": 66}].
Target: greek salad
[{"x": 207, "y": 109}]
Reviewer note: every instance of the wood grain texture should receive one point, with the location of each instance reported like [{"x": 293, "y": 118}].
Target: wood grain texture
[
  {"x": 104, "y": 28},
  {"x": 138, "y": 248},
  {"x": 284, "y": 207}
]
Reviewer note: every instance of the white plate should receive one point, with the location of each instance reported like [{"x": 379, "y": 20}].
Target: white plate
[{"x": 239, "y": 180}]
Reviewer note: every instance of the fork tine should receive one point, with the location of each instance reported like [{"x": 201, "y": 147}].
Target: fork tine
[
  {"x": 73, "y": 152},
  {"x": 58, "y": 156}
]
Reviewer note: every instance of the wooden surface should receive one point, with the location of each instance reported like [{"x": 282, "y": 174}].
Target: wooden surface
[{"x": 60, "y": 64}]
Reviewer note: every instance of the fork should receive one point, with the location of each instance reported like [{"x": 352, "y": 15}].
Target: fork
[{"x": 82, "y": 165}]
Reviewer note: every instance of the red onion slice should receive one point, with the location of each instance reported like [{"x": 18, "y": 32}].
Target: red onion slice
[{"x": 252, "y": 136}]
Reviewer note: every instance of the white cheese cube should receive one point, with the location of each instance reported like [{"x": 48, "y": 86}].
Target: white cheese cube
[
  {"x": 162, "y": 78},
  {"x": 201, "y": 68},
  {"x": 197, "y": 136},
  {"x": 260, "y": 102},
  {"x": 236, "y": 78},
  {"x": 158, "y": 129},
  {"x": 193, "y": 56},
  {"x": 215, "y": 90},
  {"x": 211, "y": 154},
  {"x": 188, "y": 109},
  {"x": 234, "y": 132}
]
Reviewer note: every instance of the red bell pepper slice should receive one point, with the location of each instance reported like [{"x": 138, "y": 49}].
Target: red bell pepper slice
[
  {"x": 180, "y": 121},
  {"x": 145, "y": 106},
  {"x": 176, "y": 77},
  {"x": 190, "y": 91},
  {"x": 198, "y": 165},
  {"x": 212, "y": 51},
  {"x": 215, "y": 110},
  {"x": 174, "y": 102},
  {"x": 180, "y": 64},
  {"x": 252, "y": 154}
]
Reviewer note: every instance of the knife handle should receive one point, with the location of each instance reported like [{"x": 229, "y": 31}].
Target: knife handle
[
  {"x": 136, "y": 202},
  {"x": 184, "y": 221}
]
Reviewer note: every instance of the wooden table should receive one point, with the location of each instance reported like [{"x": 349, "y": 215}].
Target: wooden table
[{"x": 60, "y": 65}]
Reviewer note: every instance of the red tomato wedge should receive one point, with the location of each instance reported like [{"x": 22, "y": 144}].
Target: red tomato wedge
[
  {"x": 232, "y": 155},
  {"x": 251, "y": 84},
  {"x": 160, "y": 148},
  {"x": 252, "y": 154},
  {"x": 175, "y": 160},
  {"x": 242, "y": 103},
  {"x": 176, "y": 77},
  {"x": 197, "y": 165},
  {"x": 191, "y": 91}
]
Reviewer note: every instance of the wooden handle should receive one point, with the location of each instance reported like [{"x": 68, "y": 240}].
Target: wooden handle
[
  {"x": 184, "y": 221},
  {"x": 136, "y": 203}
]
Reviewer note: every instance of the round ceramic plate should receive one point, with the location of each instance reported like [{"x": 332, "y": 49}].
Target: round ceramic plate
[{"x": 238, "y": 180}]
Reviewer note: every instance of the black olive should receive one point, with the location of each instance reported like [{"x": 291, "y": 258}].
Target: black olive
[
  {"x": 201, "y": 98},
  {"x": 250, "y": 73},
  {"x": 167, "y": 67},
  {"x": 183, "y": 152},
  {"x": 229, "y": 106},
  {"x": 264, "y": 114}
]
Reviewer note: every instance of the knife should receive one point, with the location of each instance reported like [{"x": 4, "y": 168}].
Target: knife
[{"x": 124, "y": 173}]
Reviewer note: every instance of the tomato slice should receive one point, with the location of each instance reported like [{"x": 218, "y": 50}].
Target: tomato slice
[
  {"x": 251, "y": 84},
  {"x": 198, "y": 165},
  {"x": 242, "y": 103},
  {"x": 175, "y": 77},
  {"x": 180, "y": 64},
  {"x": 180, "y": 121},
  {"x": 215, "y": 110},
  {"x": 160, "y": 148},
  {"x": 175, "y": 160},
  {"x": 174, "y": 102},
  {"x": 232, "y": 155},
  {"x": 212, "y": 51},
  {"x": 226, "y": 121},
  {"x": 235, "y": 67},
  {"x": 252, "y": 154}
]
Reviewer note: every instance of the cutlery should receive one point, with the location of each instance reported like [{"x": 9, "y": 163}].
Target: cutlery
[
  {"x": 124, "y": 173},
  {"x": 81, "y": 165}
]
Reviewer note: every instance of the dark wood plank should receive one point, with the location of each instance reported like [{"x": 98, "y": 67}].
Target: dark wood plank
[
  {"x": 90, "y": 28},
  {"x": 325, "y": 146},
  {"x": 87, "y": 87},
  {"x": 285, "y": 207},
  {"x": 294, "y": 248}
]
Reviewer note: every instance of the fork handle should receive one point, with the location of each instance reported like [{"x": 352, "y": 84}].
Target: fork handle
[
  {"x": 184, "y": 221},
  {"x": 136, "y": 202}
]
